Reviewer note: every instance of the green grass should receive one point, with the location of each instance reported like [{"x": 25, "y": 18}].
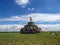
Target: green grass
[{"x": 43, "y": 38}]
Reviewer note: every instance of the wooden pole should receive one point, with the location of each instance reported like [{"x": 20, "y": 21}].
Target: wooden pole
[{"x": 30, "y": 19}]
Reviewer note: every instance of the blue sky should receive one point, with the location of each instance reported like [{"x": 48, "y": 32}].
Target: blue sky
[
  {"x": 41, "y": 6},
  {"x": 10, "y": 8},
  {"x": 17, "y": 12}
]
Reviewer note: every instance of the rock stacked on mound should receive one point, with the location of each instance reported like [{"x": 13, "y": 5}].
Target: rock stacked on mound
[{"x": 30, "y": 28}]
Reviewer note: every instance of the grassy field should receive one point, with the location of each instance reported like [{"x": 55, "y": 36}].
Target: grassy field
[{"x": 44, "y": 38}]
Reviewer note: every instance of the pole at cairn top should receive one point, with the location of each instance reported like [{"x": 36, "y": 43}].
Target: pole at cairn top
[{"x": 30, "y": 19}]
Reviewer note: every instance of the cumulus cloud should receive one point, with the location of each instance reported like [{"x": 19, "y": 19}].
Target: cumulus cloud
[
  {"x": 31, "y": 9},
  {"x": 45, "y": 17},
  {"x": 36, "y": 17},
  {"x": 14, "y": 18},
  {"x": 10, "y": 28},
  {"x": 16, "y": 28},
  {"x": 50, "y": 27},
  {"x": 22, "y": 3}
]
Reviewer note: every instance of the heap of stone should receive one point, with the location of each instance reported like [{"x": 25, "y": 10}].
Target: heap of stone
[{"x": 30, "y": 28}]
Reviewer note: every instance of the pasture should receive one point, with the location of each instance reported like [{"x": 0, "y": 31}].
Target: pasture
[{"x": 44, "y": 38}]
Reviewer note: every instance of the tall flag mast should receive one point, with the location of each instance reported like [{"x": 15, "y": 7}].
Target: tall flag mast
[{"x": 30, "y": 19}]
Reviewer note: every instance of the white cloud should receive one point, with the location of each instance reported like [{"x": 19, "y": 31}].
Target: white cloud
[
  {"x": 31, "y": 9},
  {"x": 36, "y": 17},
  {"x": 22, "y": 3},
  {"x": 11, "y": 28},
  {"x": 45, "y": 17},
  {"x": 14, "y": 18},
  {"x": 50, "y": 27}
]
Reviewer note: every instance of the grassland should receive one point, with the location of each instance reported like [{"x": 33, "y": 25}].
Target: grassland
[{"x": 44, "y": 38}]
